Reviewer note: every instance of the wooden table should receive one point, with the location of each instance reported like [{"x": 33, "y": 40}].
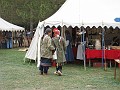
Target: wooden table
[{"x": 108, "y": 54}]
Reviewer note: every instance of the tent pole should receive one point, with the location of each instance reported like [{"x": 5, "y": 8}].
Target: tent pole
[
  {"x": 83, "y": 46},
  {"x": 40, "y": 34},
  {"x": 103, "y": 49},
  {"x": 63, "y": 30}
]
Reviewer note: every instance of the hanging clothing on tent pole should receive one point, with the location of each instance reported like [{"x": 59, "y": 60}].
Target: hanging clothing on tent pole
[{"x": 79, "y": 52}]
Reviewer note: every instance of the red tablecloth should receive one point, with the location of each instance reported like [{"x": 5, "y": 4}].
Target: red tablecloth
[{"x": 108, "y": 54}]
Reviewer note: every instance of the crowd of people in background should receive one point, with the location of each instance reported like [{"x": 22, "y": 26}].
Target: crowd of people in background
[{"x": 15, "y": 39}]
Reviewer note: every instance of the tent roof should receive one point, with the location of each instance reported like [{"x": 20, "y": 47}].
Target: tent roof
[
  {"x": 86, "y": 13},
  {"x": 4, "y": 25},
  {"x": 77, "y": 13}
]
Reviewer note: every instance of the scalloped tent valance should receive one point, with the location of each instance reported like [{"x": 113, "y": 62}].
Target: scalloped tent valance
[
  {"x": 6, "y": 26},
  {"x": 86, "y": 13}
]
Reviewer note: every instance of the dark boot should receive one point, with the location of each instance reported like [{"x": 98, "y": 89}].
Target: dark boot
[
  {"x": 46, "y": 70},
  {"x": 41, "y": 72},
  {"x": 60, "y": 68}
]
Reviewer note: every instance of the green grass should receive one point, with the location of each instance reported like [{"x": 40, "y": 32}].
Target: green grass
[{"x": 17, "y": 75}]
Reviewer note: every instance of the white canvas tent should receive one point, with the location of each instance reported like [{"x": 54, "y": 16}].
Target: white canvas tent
[
  {"x": 77, "y": 13},
  {"x": 6, "y": 26}
]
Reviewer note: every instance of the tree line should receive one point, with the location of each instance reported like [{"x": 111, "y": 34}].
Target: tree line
[{"x": 27, "y": 13}]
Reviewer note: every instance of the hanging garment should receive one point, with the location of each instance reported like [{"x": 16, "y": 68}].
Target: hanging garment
[
  {"x": 69, "y": 53},
  {"x": 80, "y": 52}
]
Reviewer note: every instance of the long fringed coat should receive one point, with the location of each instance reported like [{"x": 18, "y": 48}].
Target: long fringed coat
[
  {"x": 46, "y": 47},
  {"x": 60, "y": 45}
]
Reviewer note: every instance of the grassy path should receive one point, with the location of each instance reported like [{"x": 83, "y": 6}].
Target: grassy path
[{"x": 17, "y": 75}]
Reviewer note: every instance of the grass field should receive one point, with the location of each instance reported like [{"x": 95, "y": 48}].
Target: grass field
[{"x": 17, "y": 75}]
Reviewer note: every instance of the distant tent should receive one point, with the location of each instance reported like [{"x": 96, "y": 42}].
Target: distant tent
[
  {"x": 77, "y": 13},
  {"x": 6, "y": 26}
]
